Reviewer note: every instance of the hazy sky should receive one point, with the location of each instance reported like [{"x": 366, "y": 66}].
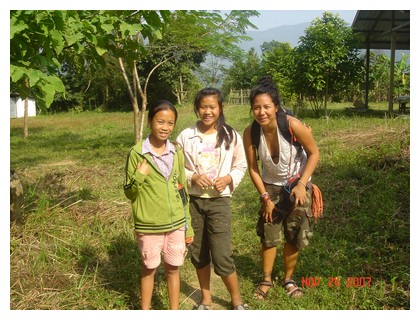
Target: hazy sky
[{"x": 274, "y": 18}]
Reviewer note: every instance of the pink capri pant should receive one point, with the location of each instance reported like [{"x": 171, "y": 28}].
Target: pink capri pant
[{"x": 171, "y": 244}]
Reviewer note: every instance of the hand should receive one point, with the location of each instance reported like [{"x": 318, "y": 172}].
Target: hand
[
  {"x": 143, "y": 167},
  {"x": 299, "y": 193},
  {"x": 189, "y": 240},
  {"x": 222, "y": 182},
  {"x": 203, "y": 181},
  {"x": 268, "y": 208}
]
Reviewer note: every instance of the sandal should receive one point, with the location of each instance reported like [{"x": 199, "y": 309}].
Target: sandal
[
  {"x": 292, "y": 289},
  {"x": 262, "y": 295},
  {"x": 201, "y": 306},
  {"x": 242, "y": 306}
]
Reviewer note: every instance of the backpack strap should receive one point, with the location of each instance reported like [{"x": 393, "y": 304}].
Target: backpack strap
[{"x": 284, "y": 127}]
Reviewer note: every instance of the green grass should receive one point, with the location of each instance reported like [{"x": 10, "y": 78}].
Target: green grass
[{"x": 74, "y": 248}]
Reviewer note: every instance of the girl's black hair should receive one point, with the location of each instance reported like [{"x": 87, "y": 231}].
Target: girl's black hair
[
  {"x": 221, "y": 124},
  {"x": 268, "y": 86},
  {"x": 159, "y": 106}
]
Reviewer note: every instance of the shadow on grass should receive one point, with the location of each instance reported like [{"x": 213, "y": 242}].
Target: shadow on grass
[
  {"x": 120, "y": 272},
  {"x": 353, "y": 113}
]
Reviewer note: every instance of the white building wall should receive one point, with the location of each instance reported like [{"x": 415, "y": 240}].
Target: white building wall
[{"x": 17, "y": 107}]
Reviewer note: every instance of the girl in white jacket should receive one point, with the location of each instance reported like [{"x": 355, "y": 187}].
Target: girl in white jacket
[{"x": 215, "y": 164}]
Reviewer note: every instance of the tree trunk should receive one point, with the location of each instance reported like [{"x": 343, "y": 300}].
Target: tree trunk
[
  {"x": 136, "y": 89},
  {"x": 25, "y": 118},
  {"x": 133, "y": 97},
  {"x": 106, "y": 96},
  {"x": 181, "y": 90},
  {"x": 142, "y": 115},
  {"x": 326, "y": 98},
  {"x": 137, "y": 124},
  {"x": 180, "y": 93}
]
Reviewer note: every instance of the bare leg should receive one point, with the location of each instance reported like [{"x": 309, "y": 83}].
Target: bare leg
[
  {"x": 231, "y": 283},
  {"x": 173, "y": 281},
  {"x": 290, "y": 257},
  {"x": 147, "y": 282},
  {"x": 268, "y": 256},
  {"x": 203, "y": 275}
]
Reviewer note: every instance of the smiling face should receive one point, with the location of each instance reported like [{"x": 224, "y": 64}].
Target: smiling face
[
  {"x": 209, "y": 111},
  {"x": 264, "y": 110},
  {"x": 162, "y": 125}
]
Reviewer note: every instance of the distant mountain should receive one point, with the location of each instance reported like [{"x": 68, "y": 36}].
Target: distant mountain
[{"x": 288, "y": 34}]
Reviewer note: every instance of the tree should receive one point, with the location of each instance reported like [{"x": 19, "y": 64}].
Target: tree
[
  {"x": 37, "y": 40},
  {"x": 42, "y": 40},
  {"x": 379, "y": 76},
  {"x": 89, "y": 88},
  {"x": 244, "y": 72},
  {"x": 277, "y": 62},
  {"x": 326, "y": 61},
  {"x": 184, "y": 34}
]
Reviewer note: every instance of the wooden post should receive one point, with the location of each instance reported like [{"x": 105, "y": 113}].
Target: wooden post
[
  {"x": 25, "y": 117},
  {"x": 391, "y": 76},
  {"x": 367, "y": 76}
]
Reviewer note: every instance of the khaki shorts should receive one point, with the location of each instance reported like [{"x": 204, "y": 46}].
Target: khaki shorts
[{"x": 296, "y": 223}]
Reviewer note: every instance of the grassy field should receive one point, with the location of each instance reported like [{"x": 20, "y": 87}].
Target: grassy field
[{"x": 75, "y": 249}]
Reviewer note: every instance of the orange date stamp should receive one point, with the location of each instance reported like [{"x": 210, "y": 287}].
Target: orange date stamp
[{"x": 349, "y": 282}]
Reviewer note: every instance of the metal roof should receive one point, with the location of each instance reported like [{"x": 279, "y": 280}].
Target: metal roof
[{"x": 375, "y": 27}]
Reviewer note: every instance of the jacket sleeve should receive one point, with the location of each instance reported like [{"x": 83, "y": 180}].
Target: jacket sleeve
[
  {"x": 239, "y": 164},
  {"x": 183, "y": 179},
  {"x": 188, "y": 173},
  {"x": 133, "y": 178}
]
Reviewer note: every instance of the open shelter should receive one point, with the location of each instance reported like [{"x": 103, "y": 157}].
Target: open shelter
[{"x": 383, "y": 29}]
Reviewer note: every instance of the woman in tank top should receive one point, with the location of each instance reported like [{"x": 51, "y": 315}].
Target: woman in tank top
[{"x": 283, "y": 210}]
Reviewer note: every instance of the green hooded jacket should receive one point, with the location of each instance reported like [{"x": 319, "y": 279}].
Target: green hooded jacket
[{"x": 156, "y": 202}]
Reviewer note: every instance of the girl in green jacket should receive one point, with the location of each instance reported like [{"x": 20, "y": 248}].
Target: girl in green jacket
[{"x": 155, "y": 184}]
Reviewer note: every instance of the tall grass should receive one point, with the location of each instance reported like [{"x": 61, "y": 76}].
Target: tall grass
[{"x": 74, "y": 248}]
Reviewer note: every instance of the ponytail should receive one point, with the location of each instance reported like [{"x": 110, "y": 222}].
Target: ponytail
[{"x": 224, "y": 132}]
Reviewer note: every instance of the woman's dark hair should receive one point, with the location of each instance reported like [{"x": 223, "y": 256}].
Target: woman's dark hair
[
  {"x": 268, "y": 86},
  {"x": 221, "y": 124},
  {"x": 161, "y": 105}
]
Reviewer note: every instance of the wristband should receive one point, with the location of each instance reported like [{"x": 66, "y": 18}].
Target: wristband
[
  {"x": 300, "y": 181},
  {"x": 265, "y": 197}
]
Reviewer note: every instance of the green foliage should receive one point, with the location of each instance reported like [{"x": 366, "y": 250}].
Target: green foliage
[
  {"x": 195, "y": 35},
  {"x": 42, "y": 41},
  {"x": 239, "y": 76},
  {"x": 326, "y": 62},
  {"x": 277, "y": 61},
  {"x": 379, "y": 76},
  {"x": 36, "y": 42}
]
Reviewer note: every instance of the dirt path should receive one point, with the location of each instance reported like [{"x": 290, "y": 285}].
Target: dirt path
[{"x": 191, "y": 295}]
